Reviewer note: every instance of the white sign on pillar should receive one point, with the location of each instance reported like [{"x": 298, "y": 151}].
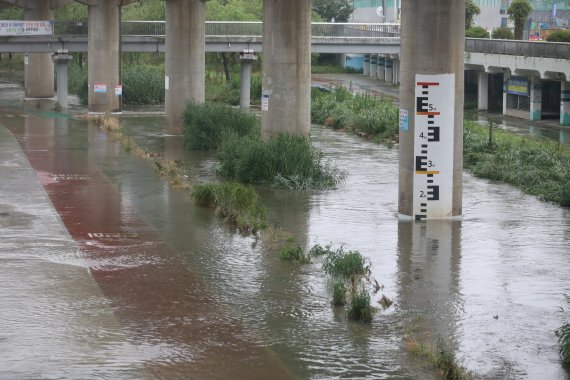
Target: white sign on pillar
[{"x": 434, "y": 119}]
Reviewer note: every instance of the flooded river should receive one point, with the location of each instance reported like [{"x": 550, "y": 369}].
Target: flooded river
[{"x": 163, "y": 289}]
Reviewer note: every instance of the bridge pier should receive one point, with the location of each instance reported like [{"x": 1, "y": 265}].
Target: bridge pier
[
  {"x": 431, "y": 109},
  {"x": 61, "y": 60},
  {"x": 185, "y": 59},
  {"x": 286, "y": 103},
  {"x": 247, "y": 57},
  {"x": 373, "y": 65},
  {"x": 395, "y": 70},
  {"x": 535, "y": 98},
  {"x": 388, "y": 70},
  {"x": 482, "y": 91},
  {"x": 381, "y": 73},
  {"x": 565, "y": 103},
  {"x": 366, "y": 65},
  {"x": 38, "y": 71},
  {"x": 104, "y": 56}
]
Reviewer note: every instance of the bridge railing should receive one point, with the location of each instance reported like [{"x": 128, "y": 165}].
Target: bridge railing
[
  {"x": 521, "y": 48},
  {"x": 240, "y": 29}
]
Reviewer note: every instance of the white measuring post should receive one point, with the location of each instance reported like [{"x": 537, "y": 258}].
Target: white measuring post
[{"x": 431, "y": 114}]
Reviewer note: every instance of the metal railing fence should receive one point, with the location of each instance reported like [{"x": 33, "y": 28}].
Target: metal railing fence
[
  {"x": 522, "y": 48},
  {"x": 238, "y": 29}
]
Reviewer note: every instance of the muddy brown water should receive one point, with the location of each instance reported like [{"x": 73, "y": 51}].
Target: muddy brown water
[{"x": 491, "y": 285}]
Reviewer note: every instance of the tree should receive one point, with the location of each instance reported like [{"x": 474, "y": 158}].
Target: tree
[
  {"x": 502, "y": 34},
  {"x": 471, "y": 10},
  {"x": 518, "y": 11},
  {"x": 340, "y": 10}
]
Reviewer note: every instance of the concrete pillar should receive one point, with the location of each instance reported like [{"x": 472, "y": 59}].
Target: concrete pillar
[
  {"x": 286, "y": 97},
  {"x": 104, "y": 56},
  {"x": 366, "y": 67},
  {"x": 431, "y": 113},
  {"x": 565, "y": 103},
  {"x": 395, "y": 71},
  {"x": 535, "y": 98},
  {"x": 246, "y": 58},
  {"x": 185, "y": 59},
  {"x": 38, "y": 71},
  {"x": 388, "y": 70},
  {"x": 373, "y": 65},
  {"x": 483, "y": 91},
  {"x": 61, "y": 60},
  {"x": 506, "y": 77},
  {"x": 381, "y": 74}
]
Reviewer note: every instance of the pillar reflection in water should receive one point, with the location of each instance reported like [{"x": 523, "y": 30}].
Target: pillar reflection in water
[{"x": 429, "y": 257}]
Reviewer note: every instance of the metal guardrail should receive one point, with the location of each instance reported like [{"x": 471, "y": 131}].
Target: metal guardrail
[
  {"x": 521, "y": 48},
  {"x": 237, "y": 28}
]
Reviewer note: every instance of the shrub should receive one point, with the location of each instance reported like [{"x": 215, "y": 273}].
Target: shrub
[
  {"x": 503, "y": 34},
  {"x": 206, "y": 124},
  {"x": 345, "y": 264},
  {"x": 559, "y": 36},
  {"x": 360, "y": 308},
  {"x": 285, "y": 161},
  {"x": 339, "y": 293},
  {"x": 477, "y": 32},
  {"x": 289, "y": 253},
  {"x": 143, "y": 84},
  {"x": 78, "y": 81},
  {"x": 563, "y": 334},
  {"x": 239, "y": 205}
]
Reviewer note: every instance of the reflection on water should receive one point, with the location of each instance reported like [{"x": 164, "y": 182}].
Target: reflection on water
[{"x": 490, "y": 285}]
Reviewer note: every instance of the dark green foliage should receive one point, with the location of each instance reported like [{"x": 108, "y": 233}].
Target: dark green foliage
[
  {"x": 563, "y": 334},
  {"x": 471, "y": 10},
  {"x": 559, "y": 36},
  {"x": 206, "y": 124},
  {"x": 538, "y": 167},
  {"x": 502, "y": 34},
  {"x": 518, "y": 11},
  {"x": 360, "y": 308},
  {"x": 143, "y": 84},
  {"x": 447, "y": 363},
  {"x": 219, "y": 90},
  {"x": 285, "y": 161},
  {"x": 238, "y": 204},
  {"x": 78, "y": 81},
  {"x": 340, "y": 10},
  {"x": 333, "y": 69},
  {"x": 339, "y": 293},
  {"x": 319, "y": 250},
  {"x": 477, "y": 32},
  {"x": 359, "y": 113},
  {"x": 345, "y": 264},
  {"x": 289, "y": 253}
]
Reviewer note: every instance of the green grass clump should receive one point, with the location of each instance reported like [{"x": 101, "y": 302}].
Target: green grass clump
[
  {"x": 339, "y": 293},
  {"x": 286, "y": 161},
  {"x": 345, "y": 264},
  {"x": 360, "y": 308},
  {"x": 362, "y": 114},
  {"x": 238, "y": 204},
  {"x": 563, "y": 334},
  {"x": 537, "y": 167},
  {"x": 441, "y": 357},
  {"x": 206, "y": 124},
  {"x": 297, "y": 253},
  {"x": 319, "y": 250},
  {"x": 143, "y": 84}
]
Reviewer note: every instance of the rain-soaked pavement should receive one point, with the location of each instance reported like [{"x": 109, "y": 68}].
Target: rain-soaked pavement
[{"x": 108, "y": 272}]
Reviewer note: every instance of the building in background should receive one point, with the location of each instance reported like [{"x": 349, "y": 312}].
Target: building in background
[
  {"x": 376, "y": 11},
  {"x": 546, "y": 14}
]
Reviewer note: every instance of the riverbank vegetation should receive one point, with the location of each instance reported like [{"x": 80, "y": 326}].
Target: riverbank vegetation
[
  {"x": 538, "y": 167},
  {"x": 285, "y": 161},
  {"x": 362, "y": 114},
  {"x": 236, "y": 203},
  {"x": 563, "y": 334},
  {"x": 440, "y": 356}
]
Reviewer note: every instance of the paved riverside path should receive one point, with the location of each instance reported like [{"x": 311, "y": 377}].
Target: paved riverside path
[{"x": 87, "y": 288}]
